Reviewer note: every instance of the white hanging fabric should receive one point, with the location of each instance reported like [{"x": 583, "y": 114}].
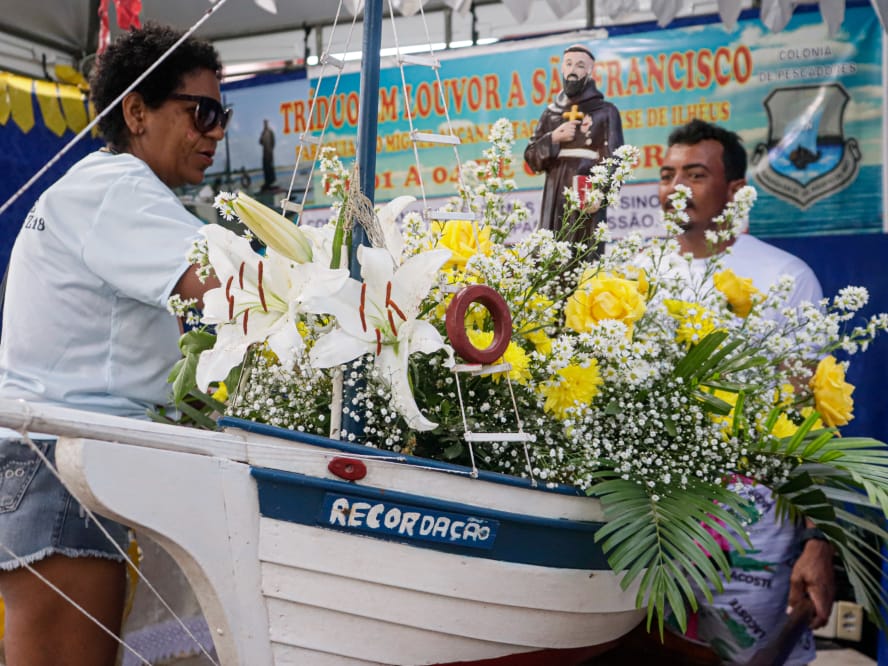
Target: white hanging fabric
[
  {"x": 462, "y": 7},
  {"x": 353, "y": 7},
  {"x": 562, "y": 8},
  {"x": 520, "y": 9},
  {"x": 407, "y": 7},
  {"x": 665, "y": 11},
  {"x": 617, "y": 8},
  {"x": 268, "y": 5},
  {"x": 833, "y": 13},
  {"x": 775, "y": 14},
  {"x": 729, "y": 12}
]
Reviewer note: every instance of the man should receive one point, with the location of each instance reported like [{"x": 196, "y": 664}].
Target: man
[
  {"x": 266, "y": 140},
  {"x": 575, "y": 132},
  {"x": 786, "y": 562}
]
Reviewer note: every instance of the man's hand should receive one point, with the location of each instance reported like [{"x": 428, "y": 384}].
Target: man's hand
[
  {"x": 565, "y": 132},
  {"x": 813, "y": 576}
]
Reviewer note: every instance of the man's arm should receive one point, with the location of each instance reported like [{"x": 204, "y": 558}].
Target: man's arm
[{"x": 813, "y": 576}]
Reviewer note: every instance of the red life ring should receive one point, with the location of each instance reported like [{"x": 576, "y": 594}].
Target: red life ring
[{"x": 455, "y": 323}]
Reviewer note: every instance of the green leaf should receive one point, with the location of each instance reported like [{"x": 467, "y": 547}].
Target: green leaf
[
  {"x": 712, "y": 404},
  {"x": 698, "y": 354},
  {"x": 195, "y": 341},
  {"x": 186, "y": 379},
  {"x": 453, "y": 451}
]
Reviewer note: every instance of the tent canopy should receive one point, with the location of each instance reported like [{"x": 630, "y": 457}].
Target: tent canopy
[{"x": 35, "y": 35}]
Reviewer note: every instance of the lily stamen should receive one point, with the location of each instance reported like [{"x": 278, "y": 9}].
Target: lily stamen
[
  {"x": 261, "y": 290},
  {"x": 392, "y": 323},
  {"x": 246, "y": 316},
  {"x": 378, "y": 342},
  {"x": 228, "y": 288},
  {"x": 361, "y": 306},
  {"x": 389, "y": 303},
  {"x": 240, "y": 275}
]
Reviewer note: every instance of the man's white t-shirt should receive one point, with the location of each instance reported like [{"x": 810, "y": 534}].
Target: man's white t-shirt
[
  {"x": 765, "y": 264},
  {"x": 750, "y": 610},
  {"x": 85, "y": 323}
]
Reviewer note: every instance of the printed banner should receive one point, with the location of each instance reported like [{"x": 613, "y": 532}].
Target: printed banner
[
  {"x": 808, "y": 107},
  {"x": 259, "y": 153}
]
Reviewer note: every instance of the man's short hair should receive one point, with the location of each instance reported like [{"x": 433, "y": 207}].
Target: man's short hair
[
  {"x": 579, "y": 48},
  {"x": 733, "y": 153}
]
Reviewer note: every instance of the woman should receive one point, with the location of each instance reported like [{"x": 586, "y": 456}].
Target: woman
[{"x": 86, "y": 326}]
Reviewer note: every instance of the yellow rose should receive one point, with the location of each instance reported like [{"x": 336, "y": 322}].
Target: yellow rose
[
  {"x": 832, "y": 394},
  {"x": 604, "y": 297},
  {"x": 739, "y": 291},
  {"x": 464, "y": 239}
]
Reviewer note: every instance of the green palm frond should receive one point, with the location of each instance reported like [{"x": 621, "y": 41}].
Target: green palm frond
[
  {"x": 841, "y": 485},
  {"x": 668, "y": 541}
]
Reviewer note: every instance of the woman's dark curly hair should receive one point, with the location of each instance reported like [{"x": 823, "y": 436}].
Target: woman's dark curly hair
[{"x": 129, "y": 56}]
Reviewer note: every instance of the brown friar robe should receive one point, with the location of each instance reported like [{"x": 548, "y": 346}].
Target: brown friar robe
[{"x": 562, "y": 162}]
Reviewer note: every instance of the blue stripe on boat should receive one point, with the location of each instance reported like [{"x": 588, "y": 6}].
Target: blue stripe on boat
[
  {"x": 308, "y": 500},
  {"x": 358, "y": 449}
]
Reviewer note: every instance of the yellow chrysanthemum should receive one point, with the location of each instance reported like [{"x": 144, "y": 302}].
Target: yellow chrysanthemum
[
  {"x": 729, "y": 397},
  {"x": 694, "y": 321},
  {"x": 464, "y": 239},
  {"x": 604, "y": 297},
  {"x": 514, "y": 356},
  {"x": 572, "y": 386},
  {"x": 784, "y": 427},
  {"x": 832, "y": 394},
  {"x": 540, "y": 341},
  {"x": 739, "y": 291}
]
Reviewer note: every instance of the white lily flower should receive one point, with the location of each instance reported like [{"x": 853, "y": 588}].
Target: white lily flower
[
  {"x": 378, "y": 316},
  {"x": 387, "y": 216},
  {"x": 272, "y": 228},
  {"x": 261, "y": 299},
  {"x": 321, "y": 240}
]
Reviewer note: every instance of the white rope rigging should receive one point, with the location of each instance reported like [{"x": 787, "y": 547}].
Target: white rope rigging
[
  {"x": 306, "y": 137},
  {"x": 80, "y": 608},
  {"x": 443, "y": 93},
  {"x": 54, "y": 470},
  {"x": 414, "y": 134},
  {"x": 95, "y": 121},
  {"x": 12, "y": 199}
]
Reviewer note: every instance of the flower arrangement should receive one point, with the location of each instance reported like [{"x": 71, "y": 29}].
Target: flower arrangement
[{"x": 641, "y": 384}]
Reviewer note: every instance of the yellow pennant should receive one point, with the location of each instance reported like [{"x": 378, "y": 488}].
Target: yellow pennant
[
  {"x": 48, "y": 101},
  {"x": 5, "y": 107},
  {"x": 19, "y": 90},
  {"x": 73, "y": 106}
]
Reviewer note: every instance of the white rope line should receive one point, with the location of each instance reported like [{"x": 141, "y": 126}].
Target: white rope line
[
  {"x": 312, "y": 106},
  {"x": 407, "y": 109},
  {"x": 520, "y": 425},
  {"x": 114, "y": 543},
  {"x": 80, "y": 608},
  {"x": 459, "y": 171},
  {"x": 95, "y": 121},
  {"x": 462, "y": 411}
]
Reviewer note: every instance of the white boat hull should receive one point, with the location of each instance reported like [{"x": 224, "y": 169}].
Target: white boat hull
[{"x": 275, "y": 590}]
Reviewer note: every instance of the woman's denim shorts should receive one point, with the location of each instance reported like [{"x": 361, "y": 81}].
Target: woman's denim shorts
[{"x": 39, "y": 518}]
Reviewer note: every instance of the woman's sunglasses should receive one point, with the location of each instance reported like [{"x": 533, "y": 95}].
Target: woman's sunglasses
[{"x": 208, "y": 113}]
